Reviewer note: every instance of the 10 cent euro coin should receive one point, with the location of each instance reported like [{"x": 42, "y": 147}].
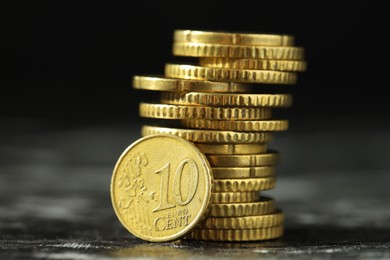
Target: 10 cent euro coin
[{"x": 161, "y": 188}]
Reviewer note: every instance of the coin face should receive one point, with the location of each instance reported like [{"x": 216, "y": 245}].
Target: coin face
[{"x": 161, "y": 187}]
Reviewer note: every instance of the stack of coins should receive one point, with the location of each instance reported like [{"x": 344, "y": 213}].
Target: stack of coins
[{"x": 218, "y": 111}]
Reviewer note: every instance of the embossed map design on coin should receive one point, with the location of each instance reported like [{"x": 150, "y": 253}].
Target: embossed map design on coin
[{"x": 161, "y": 188}]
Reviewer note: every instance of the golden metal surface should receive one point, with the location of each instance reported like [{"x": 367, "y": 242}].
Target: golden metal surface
[
  {"x": 263, "y": 206},
  {"x": 248, "y": 222},
  {"x": 227, "y": 99},
  {"x": 210, "y": 136},
  {"x": 190, "y": 49},
  {"x": 243, "y": 172},
  {"x": 231, "y": 125},
  {"x": 232, "y": 38},
  {"x": 158, "y": 195},
  {"x": 248, "y": 184},
  {"x": 156, "y": 83},
  {"x": 164, "y": 111},
  {"x": 247, "y": 160},
  {"x": 253, "y": 64},
  {"x": 182, "y": 71},
  {"x": 232, "y": 148},
  {"x": 237, "y": 234},
  {"x": 235, "y": 197}
]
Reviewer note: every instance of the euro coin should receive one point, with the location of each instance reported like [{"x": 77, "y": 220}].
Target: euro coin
[
  {"x": 234, "y": 197},
  {"x": 247, "y": 184},
  {"x": 160, "y": 193},
  {"x": 190, "y": 49},
  {"x": 227, "y": 99},
  {"x": 253, "y": 64},
  {"x": 160, "y": 83},
  {"x": 183, "y": 71},
  {"x": 233, "y": 38},
  {"x": 248, "y": 222},
  {"x": 210, "y": 136},
  {"x": 232, "y": 148},
  {"x": 244, "y": 160},
  {"x": 237, "y": 234},
  {"x": 263, "y": 206}
]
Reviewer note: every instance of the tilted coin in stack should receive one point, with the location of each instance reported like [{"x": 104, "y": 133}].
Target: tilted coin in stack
[{"x": 219, "y": 107}]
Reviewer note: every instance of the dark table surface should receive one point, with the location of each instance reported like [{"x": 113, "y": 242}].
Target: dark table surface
[{"x": 55, "y": 201}]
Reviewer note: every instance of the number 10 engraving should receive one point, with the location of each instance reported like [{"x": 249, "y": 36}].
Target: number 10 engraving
[{"x": 176, "y": 185}]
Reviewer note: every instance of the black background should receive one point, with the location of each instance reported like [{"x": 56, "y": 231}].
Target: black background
[{"x": 75, "y": 59}]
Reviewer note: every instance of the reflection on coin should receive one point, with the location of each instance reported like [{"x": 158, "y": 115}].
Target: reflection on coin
[
  {"x": 244, "y": 160},
  {"x": 243, "y": 172},
  {"x": 232, "y": 148},
  {"x": 159, "y": 83},
  {"x": 233, "y": 38},
  {"x": 160, "y": 193}
]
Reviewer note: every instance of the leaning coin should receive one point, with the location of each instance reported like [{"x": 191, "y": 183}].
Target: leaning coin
[{"x": 161, "y": 188}]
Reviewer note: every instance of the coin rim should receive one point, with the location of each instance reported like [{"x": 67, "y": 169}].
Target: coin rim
[
  {"x": 252, "y": 38},
  {"x": 209, "y": 182},
  {"x": 163, "y": 84}
]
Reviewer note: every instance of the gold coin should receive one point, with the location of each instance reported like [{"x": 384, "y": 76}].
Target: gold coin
[
  {"x": 232, "y": 148},
  {"x": 237, "y": 234},
  {"x": 247, "y": 160},
  {"x": 158, "y": 195},
  {"x": 248, "y": 222},
  {"x": 159, "y": 83},
  {"x": 232, "y": 38},
  {"x": 220, "y": 74},
  {"x": 164, "y": 111},
  {"x": 234, "y": 197},
  {"x": 243, "y": 172},
  {"x": 231, "y": 125},
  {"x": 263, "y": 206},
  {"x": 190, "y": 49},
  {"x": 226, "y": 99},
  {"x": 249, "y": 184},
  {"x": 253, "y": 64},
  {"x": 210, "y": 136}
]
